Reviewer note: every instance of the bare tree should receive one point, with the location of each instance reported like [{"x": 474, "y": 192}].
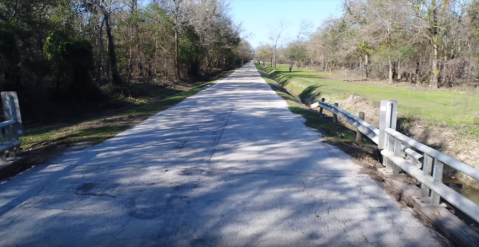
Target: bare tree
[{"x": 275, "y": 37}]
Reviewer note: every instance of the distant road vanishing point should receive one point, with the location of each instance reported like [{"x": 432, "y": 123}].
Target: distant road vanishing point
[{"x": 230, "y": 166}]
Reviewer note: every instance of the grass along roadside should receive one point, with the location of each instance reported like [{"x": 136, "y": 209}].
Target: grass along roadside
[
  {"x": 342, "y": 136},
  {"x": 436, "y": 107},
  {"x": 459, "y": 140},
  {"x": 101, "y": 128}
]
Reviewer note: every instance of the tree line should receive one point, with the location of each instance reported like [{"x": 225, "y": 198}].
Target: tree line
[
  {"x": 72, "y": 47},
  {"x": 427, "y": 42}
]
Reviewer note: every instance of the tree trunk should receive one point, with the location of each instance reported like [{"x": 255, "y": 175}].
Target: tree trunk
[
  {"x": 130, "y": 65},
  {"x": 177, "y": 51},
  {"x": 435, "y": 70},
  {"x": 366, "y": 64},
  {"x": 100, "y": 54},
  {"x": 134, "y": 36},
  {"x": 155, "y": 60},
  {"x": 274, "y": 58},
  {"x": 391, "y": 72},
  {"x": 399, "y": 72},
  {"x": 323, "y": 61},
  {"x": 177, "y": 40},
  {"x": 417, "y": 73},
  {"x": 116, "y": 79},
  {"x": 107, "y": 70},
  {"x": 444, "y": 72}
]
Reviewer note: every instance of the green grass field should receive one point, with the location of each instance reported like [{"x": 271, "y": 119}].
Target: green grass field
[{"x": 436, "y": 107}]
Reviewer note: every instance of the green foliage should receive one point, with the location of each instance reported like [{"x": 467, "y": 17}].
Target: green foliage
[
  {"x": 295, "y": 52},
  {"x": 72, "y": 60},
  {"x": 51, "y": 49},
  {"x": 365, "y": 48}
]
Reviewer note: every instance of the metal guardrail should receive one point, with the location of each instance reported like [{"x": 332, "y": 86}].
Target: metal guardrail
[
  {"x": 12, "y": 127},
  {"x": 365, "y": 128},
  {"x": 402, "y": 152},
  {"x": 456, "y": 164},
  {"x": 432, "y": 188},
  {"x": 368, "y": 130}
]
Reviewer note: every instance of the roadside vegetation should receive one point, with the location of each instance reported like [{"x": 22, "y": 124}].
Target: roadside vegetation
[
  {"x": 425, "y": 54},
  {"x": 445, "y": 127},
  {"x": 437, "y": 107},
  {"x": 104, "y": 126},
  {"x": 426, "y": 43},
  {"x": 86, "y": 70},
  {"x": 72, "y": 60}
]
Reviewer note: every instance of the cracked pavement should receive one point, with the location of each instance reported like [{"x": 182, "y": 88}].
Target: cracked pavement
[{"x": 230, "y": 166}]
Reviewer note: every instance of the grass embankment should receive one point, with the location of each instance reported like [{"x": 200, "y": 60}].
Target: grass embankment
[
  {"x": 436, "y": 107},
  {"x": 103, "y": 127}
]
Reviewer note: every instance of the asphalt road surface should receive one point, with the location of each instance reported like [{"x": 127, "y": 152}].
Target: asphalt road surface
[{"x": 230, "y": 166}]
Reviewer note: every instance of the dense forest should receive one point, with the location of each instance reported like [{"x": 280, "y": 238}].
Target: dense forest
[
  {"x": 60, "y": 51},
  {"x": 426, "y": 42}
]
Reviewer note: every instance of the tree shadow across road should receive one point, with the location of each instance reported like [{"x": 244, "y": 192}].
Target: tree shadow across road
[{"x": 230, "y": 166}]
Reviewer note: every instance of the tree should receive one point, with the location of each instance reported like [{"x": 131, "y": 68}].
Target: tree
[
  {"x": 264, "y": 53},
  {"x": 295, "y": 52},
  {"x": 105, "y": 7},
  {"x": 275, "y": 37},
  {"x": 165, "y": 37}
]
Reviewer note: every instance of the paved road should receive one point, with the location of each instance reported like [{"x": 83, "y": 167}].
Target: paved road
[{"x": 230, "y": 166}]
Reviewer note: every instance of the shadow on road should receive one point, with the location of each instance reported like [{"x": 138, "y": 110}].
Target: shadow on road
[{"x": 230, "y": 166}]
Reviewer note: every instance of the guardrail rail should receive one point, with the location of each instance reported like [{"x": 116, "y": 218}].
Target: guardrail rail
[
  {"x": 11, "y": 128},
  {"x": 368, "y": 130},
  {"x": 423, "y": 163}
]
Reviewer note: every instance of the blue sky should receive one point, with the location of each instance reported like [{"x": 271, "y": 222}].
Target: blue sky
[{"x": 259, "y": 17}]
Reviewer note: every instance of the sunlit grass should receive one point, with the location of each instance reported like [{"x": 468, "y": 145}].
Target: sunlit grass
[
  {"x": 436, "y": 107},
  {"x": 331, "y": 132}
]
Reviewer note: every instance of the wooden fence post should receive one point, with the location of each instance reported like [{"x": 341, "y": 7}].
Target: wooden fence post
[{"x": 359, "y": 135}]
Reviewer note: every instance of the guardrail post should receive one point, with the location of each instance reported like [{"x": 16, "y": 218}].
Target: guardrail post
[
  {"x": 335, "y": 117},
  {"x": 359, "y": 135},
  {"x": 437, "y": 178},
  {"x": 392, "y": 145},
  {"x": 11, "y": 109},
  {"x": 426, "y": 170},
  {"x": 321, "y": 108},
  {"x": 3, "y": 155},
  {"x": 387, "y": 119},
  {"x": 397, "y": 152}
]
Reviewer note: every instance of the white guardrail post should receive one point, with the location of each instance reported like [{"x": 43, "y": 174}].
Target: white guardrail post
[
  {"x": 388, "y": 119},
  {"x": 12, "y": 126},
  {"x": 423, "y": 163}
]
